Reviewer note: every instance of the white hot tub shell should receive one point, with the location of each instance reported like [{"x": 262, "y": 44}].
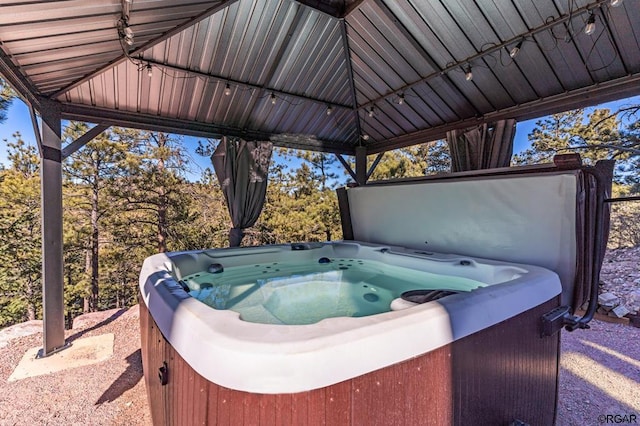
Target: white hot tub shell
[{"x": 295, "y": 358}]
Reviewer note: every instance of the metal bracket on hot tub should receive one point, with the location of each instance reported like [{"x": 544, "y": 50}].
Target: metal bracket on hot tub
[{"x": 559, "y": 318}]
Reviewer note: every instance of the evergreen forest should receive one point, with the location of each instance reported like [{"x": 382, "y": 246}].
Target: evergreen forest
[{"x": 126, "y": 196}]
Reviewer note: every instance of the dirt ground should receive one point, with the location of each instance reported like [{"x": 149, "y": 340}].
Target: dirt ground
[
  {"x": 109, "y": 393},
  {"x": 599, "y": 375}
]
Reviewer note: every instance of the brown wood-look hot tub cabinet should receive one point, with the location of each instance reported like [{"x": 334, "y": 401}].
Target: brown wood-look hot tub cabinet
[{"x": 504, "y": 373}]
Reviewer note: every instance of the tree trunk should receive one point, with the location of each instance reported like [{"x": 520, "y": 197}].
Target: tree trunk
[
  {"x": 162, "y": 209},
  {"x": 87, "y": 270},
  {"x": 31, "y": 307},
  {"x": 95, "y": 234},
  {"x": 162, "y": 225}
]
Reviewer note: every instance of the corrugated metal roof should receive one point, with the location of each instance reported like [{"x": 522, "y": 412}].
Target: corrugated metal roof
[{"x": 319, "y": 74}]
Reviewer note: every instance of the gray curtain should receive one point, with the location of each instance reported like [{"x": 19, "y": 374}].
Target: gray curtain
[
  {"x": 242, "y": 168},
  {"x": 484, "y": 147}
]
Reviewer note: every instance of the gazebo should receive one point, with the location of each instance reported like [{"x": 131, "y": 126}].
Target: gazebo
[{"x": 351, "y": 77}]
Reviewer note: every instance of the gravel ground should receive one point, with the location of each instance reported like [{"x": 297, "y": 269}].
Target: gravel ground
[
  {"x": 600, "y": 370},
  {"x": 600, "y": 375},
  {"x": 621, "y": 276},
  {"x": 108, "y": 393}
]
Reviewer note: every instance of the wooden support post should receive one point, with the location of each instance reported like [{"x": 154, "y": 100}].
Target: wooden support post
[
  {"x": 52, "y": 257},
  {"x": 361, "y": 165}
]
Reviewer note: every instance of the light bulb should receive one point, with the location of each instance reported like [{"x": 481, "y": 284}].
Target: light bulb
[
  {"x": 401, "y": 99},
  {"x": 591, "y": 24},
  {"x": 127, "y": 33},
  {"x": 365, "y": 137},
  {"x": 468, "y": 75},
  {"x": 514, "y": 52},
  {"x": 329, "y": 109},
  {"x": 227, "y": 90},
  {"x": 273, "y": 99},
  {"x": 372, "y": 111},
  {"x": 149, "y": 71},
  {"x": 616, "y": 3}
]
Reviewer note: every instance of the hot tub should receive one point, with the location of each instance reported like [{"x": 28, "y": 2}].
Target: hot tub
[
  {"x": 248, "y": 353},
  {"x": 316, "y": 333}
]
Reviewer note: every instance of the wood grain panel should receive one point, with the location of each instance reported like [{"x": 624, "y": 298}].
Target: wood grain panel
[
  {"x": 503, "y": 373},
  {"x": 507, "y": 372}
]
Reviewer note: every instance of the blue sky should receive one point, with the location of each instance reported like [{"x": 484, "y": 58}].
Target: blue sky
[{"x": 18, "y": 120}]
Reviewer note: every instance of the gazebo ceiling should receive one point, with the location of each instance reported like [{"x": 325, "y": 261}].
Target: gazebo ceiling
[{"x": 319, "y": 75}]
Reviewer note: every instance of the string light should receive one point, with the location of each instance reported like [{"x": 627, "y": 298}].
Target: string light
[
  {"x": 329, "y": 109},
  {"x": 468, "y": 75},
  {"x": 149, "y": 71},
  {"x": 227, "y": 90},
  {"x": 591, "y": 24},
  {"x": 273, "y": 99},
  {"x": 514, "y": 52},
  {"x": 401, "y": 99},
  {"x": 127, "y": 33}
]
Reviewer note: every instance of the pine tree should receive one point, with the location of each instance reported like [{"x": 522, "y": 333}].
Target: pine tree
[
  {"x": 598, "y": 135},
  {"x": 20, "y": 247},
  {"x": 153, "y": 190},
  {"x": 413, "y": 161},
  {"x": 90, "y": 171},
  {"x": 6, "y": 97}
]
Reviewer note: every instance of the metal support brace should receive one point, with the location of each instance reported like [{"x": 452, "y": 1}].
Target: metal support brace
[
  {"x": 374, "y": 165},
  {"x": 361, "y": 165},
  {"x": 346, "y": 166},
  {"x": 36, "y": 128},
  {"x": 83, "y": 140},
  {"x": 52, "y": 257}
]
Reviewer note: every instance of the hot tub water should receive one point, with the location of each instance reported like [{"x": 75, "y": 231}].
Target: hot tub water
[{"x": 305, "y": 292}]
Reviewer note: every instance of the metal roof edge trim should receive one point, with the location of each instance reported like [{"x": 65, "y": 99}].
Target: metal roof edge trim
[
  {"x": 611, "y": 90},
  {"x": 140, "y": 121},
  {"x": 18, "y": 82}
]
